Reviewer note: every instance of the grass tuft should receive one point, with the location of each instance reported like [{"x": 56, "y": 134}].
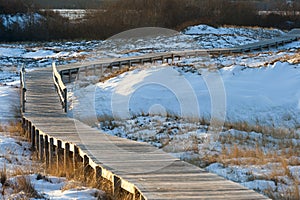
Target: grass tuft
[{"x": 23, "y": 184}]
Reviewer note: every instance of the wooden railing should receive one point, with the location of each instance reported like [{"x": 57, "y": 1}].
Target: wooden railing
[
  {"x": 22, "y": 88},
  {"x": 60, "y": 88}
]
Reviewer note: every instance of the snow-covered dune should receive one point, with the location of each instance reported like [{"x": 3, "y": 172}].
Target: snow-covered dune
[{"x": 268, "y": 95}]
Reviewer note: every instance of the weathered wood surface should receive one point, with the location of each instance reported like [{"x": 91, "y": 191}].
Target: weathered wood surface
[
  {"x": 137, "y": 167},
  {"x": 123, "y": 158}
]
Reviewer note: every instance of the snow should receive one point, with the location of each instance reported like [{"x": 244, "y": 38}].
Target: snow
[
  {"x": 170, "y": 106},
  {"x": 205, "y": 29},
  {"x": 210, "y": 37},
  {"x": 20, "y": 19},
  {"x": 15, "y": 157},
  {"x": 252, "y": 94}
]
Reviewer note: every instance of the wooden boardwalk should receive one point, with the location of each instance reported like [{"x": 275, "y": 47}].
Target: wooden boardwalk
[
  {"x": 96, "y": 67},
  {"x": 138, "y": 168}
]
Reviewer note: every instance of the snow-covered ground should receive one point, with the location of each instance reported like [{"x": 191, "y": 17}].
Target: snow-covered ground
[
  {"x": 266, "y": 96},
  {"x": 20, "y": 19},
  {"x": 171, "y": 106},
  {"x": 17, "y": 165}
]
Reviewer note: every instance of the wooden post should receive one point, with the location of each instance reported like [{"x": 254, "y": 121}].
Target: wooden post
[
  {"x": 172, "y": 58},
  {"x": 33, "y": 138},
  {"x": 23, "y": 99},
  {"x": 51, "y": 147},
  {"x": 78, "y": 72},
  {"x": 86, "y": 162},
  {"x": 86, "y": 70},
  {"x": 116, "y": 187},
  {"x": 59, "y": 155},
  {"x": 41, "y": 148},
  {"x": 23, "y": 126},
  {"x": 70, "y": 75},
  {"x": 101, "y": 71},
  {"x": 75, "y": 158},
  {"x": 120, "y": 65},
  {"x": 37, "y": 140},
  {"x": 46, "y": 147},
  {"x": 98, "y": 175},
  {"x": 28, "y": 130},
  {"x": 65, "y": 100},
  {"x": 138, "y": 195},
  {"x": 66, "y": 157},
  {"x": 94, "y": 66}
]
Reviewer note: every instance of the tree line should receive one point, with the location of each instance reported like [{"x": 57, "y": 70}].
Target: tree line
[{"x": 120, "y": 15}]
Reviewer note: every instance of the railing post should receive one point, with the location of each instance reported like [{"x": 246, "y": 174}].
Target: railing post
[
  {"x": 22, "y": 89},
  {"x": 98, "y": 175},
  {"x": 116, "y": 187},
  {"x": 60, "y": 87},
  {"x": 59, "y": 156},
  {"x": 46, "y": 149},
  {"x": 70, "y": 75},
  {"x": 51, "y": 154},
  {"x": 33, "y": 130},
  {"x": 37, "y": 140},
  {"x": 66, "y": 157},
  {"x": 41, "y": 148},
  {"x": 65, "y": 100}
]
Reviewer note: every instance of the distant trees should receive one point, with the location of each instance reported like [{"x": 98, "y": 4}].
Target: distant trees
[
  {"x": 119, "y": 15},
  {"x": 16, "y": 6}
]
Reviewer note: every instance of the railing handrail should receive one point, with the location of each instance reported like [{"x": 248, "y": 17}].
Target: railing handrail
[
  {"x": 22, "y": 88},
  {"x": 60, "y": 87}
]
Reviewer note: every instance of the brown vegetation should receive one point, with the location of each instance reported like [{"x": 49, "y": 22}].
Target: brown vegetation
[{"x": 121, "y": 15}]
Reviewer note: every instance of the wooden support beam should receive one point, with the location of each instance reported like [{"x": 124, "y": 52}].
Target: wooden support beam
[
  {"x": 98, "y": 176},
  {"x": 51, "y": 152},
  {"x": 66, "y": 157},
  {"x": 33, "y": 138},
  {"x": 86, "y": 163},
  {"x": 41, "y": 148},
  {"x": 59, "y": 155},
  {"x": 28, "y": 130},
  {"x": 37, "y": 140},
  {"x": 138, "y": 195},
  {"x": 86, "y": 70},
  {"x": 116, "y": 187},
  {"x": 76, "y": 158},
  {"x": 46, "y": 148},
  {"x": 70, "y": 75}
]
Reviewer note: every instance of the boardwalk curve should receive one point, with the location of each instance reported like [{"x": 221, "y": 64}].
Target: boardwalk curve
[{"x": 56, "y": 138}]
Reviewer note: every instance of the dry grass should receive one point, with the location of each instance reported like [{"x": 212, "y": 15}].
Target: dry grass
[
  {"x": 15, "y": 128},
  {"x": 291, "y": 193},
  {"x": 254, "y": 156},
  {"x": 115, "y": 73},
  {"x": 23, "y": 184}
]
